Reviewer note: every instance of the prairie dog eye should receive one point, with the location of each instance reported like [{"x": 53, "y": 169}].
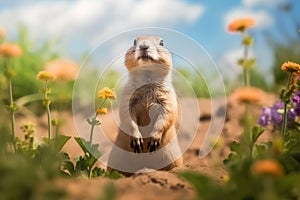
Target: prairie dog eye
[
  {"x": 161, "y": 42},
  {"x": 134, "y": 42}
]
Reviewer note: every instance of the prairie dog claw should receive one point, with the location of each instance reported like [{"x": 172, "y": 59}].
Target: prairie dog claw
[{"x": 136, "y": 144}]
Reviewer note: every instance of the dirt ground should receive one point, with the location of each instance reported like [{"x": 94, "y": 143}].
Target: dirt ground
[{"x": 161, "y": 185}]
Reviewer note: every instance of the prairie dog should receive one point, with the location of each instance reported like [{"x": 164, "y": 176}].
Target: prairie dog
[{"x": 148, "y": 103}]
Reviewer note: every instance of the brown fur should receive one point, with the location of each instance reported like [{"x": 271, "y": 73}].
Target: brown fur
[{"x": 152, "y": 104}]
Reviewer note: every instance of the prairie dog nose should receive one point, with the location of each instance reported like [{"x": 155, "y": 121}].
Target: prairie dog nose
[{"x": 144, "y": 45}]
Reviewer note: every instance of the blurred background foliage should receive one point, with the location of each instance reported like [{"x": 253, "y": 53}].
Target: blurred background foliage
[
  {"x": 189, "y": 79},
  {"x": 37, "y": 53},
  {"x": 287, "y": 48},
  {"x": 35, "y": 56}
]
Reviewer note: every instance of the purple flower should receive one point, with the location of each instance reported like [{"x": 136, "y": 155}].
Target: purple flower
[
  {"x": 265, "y": 117},
  {"x": 296, "y": 98},
  {"x": 274, "y": 115},
  {"x": 297, "y": 110},
  {"x": 296, "y": 101}
]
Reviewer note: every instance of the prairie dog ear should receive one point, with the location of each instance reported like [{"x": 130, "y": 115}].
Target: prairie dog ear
[{"x": 161, "y": 42}]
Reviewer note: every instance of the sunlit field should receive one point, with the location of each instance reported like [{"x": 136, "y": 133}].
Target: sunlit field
[{"x": 43, "y": 155}]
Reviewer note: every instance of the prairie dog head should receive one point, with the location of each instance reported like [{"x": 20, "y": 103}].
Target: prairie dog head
[{"x": 147, "y": 50}]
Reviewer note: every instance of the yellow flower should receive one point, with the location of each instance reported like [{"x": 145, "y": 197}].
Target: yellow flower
[
  {"x": 44, "y": 76},
  {"x": 10, "y": 50},
  {"x": 64, "y": 69},
  {"x": 106, "y": 93},
  {"x": 226, "y": 178},
  {"x": 240, "y": 25},
  {"x": 290, "y": 67},
  {"x": 268, "y": 166},
  {"x": 102, "y": 111},
  {"x": 216, "y": 142},
  {"x": 2, "y": 33},
  {"x": 248, "y": 95}
]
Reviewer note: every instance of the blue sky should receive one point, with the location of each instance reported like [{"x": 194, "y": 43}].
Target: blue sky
[{"x": 81, "y": 24}]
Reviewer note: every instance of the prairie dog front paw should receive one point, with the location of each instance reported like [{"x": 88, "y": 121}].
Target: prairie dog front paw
[
  {"x": 154, "y": 142},
  {"x": 136, "y": 143}
]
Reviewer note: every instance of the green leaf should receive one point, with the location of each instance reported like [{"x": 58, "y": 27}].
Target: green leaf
[
  {"x": 292, "y": 144},
  {"x": 58, "y": 142},
  {"x": 91, "y": 160},
  {"x": 88, "y": 148},
  {"x": 247, "y": 40},
  {"x": 240, "y": 62},
  {"x": 231, "y": 157},
  {"x": 82, "y": 143},
  {"x": 249, "y": 63},
  {"x": 96, "y": 172},
  {"x": 89, "y": 121},
  {"x": 260, "y": 149},
  {"x": 246, "y": 63},
  {"x": 235, "y": 146},
  {"x": 69, "y": 166},
  {"x": 113, "y": 175},
  {"x": 290, "y": 164},
  {"x": 65, "y": 156},
  {"x": 81, "y": 165},
  {"x": 256, "y": 132}
]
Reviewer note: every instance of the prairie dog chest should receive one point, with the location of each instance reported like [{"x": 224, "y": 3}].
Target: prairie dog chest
[
  {"x": 150, "y": 84},
  {"x": 149, "y": 101},
  {"x": 148, "y": 95}
]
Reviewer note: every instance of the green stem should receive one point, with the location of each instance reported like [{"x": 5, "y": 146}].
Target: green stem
[
  {"x": 48, "y": 109},
  {"x": 11, "y": 103},
  {"x": 12, "y": 113},
  {"x": 285, "y": 103},
  {"x": 92, "y": 127},
  {"x": 284, "y": 123},
  {"x": 93, "y": 122},
  {"x": 246, "y": 70},
  {"x": 246, "y": 77},
  {"x": 90, "y": 172},
  {"x": 49, "y": 121},
  {"x": 247, "y": 130}
]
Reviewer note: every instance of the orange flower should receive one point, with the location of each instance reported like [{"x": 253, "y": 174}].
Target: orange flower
[
  {"x": 248, "y": 95},
  {"x": 2, "y": 33},
  {"x": 106, "y": 93},
  {"x": 290, "y": 67},
  {"x": 102, "y": 111},
  {"x": 240, "y": 25},
  {"x": 64, "y": 69},
  {"x": 10, "y": 50},
  {"x": 267, "y": 166},
  {"x": 44, "y": 76}
]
